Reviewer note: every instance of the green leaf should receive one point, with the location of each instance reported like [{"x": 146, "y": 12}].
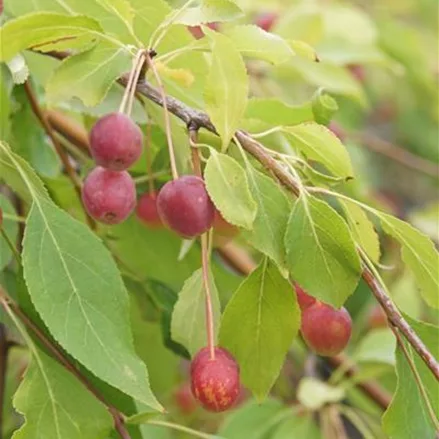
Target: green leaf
[
  {"x": 271, "y": 219},
  {"x": 377, "y": 346},
  {"x": 322, "y": 145},
  {"x": 254, "y": 42},
  {"x": 29, "y": 139},
  {"x": 89, "y": 75},
  {"x": 265, "y": 310},
  {"x": 228, "y": 187},
  {"x": 333, "y": 78},
  {"x": 55, "y": 404},
  {"x": 188, "y": 326},
  {"x": 115, "y": 16},
  {"x": 16, "y": 172},
  {"x": 301, "y": 23},
  {"x": 363, "y": 230},
  {"x": 419, "y": 253},
  {"x": 226, "y": 91},
  {"x": 276, "y": 112},
  {"x": 297, "y": 426},
  {"x": 210, "y": 11},
  {"x": 321, "y": 254},
  {"x": 314, "y": 394},
  {"x": 46, "y": 31},
  {"x": 408, "y": 404},
  {"x": 252, "y": 420},
  {"x": 9, "y": 227},
  {"x": 324, "y": 106},
  {"x": 76, "y": 288}
]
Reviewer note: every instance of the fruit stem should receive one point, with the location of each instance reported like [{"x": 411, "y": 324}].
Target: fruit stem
[
  {"x": 129, "y": 86},
  {"x": 137, "y": 72},
  {"x": 172, "y": 160},
  {"x": 208, "y": 303},
  {"x": 205, "y": 253}
]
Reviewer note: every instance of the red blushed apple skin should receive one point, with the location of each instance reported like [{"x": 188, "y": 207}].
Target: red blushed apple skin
[
  {"x": 326, "y": 330},
  {"x": 357, "y": 71},
  {"x": 304, "y": 299},
  {"x": 185, "y": 400},
  {"x": 215, "y": 381},
  {"x": 115, "y": 142},
  {"x": 185, "y": 207},
  {"x": 377, "y": 318},
  {"x": 337, "y": 130},
  {"x": 266, "y": 20},
  {"x": 197, "y": 31},
  {"x": 108, "y": 196},
  {"x": 147, "y": 210}
]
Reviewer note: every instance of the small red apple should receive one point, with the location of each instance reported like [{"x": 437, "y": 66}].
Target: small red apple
[
  {"x": 266, "y": 20},
  {"x": 215, "y": 381},
  {"x": 147, "y": 210},
  {"x": 377, "y": 318},
  {"x": 197, "y": 31},
  {"x": 304, "y": 299},
  {"x": 185, "y": 400},
  {"x": 326, "y": 330}
]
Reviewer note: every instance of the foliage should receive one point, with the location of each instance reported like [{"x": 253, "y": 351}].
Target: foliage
[{"x": 125, "y": 306}]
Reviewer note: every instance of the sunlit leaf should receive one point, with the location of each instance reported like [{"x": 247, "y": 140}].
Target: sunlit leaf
[
  {"x": 265, "y": 310},
  {"x": 226, "y": 91},
  {"x": 228, "y": 186},
  {"x": 188, "y": 325},
  {"x": 321, "y": 254}
]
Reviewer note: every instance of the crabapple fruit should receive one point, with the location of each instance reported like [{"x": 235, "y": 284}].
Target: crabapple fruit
[
  {"x": 215, "y": 381},
  {"x": 109, "y": 196},
  {"x": 185, "y": 207},
  {"x": 326, "y": 330},
  {"x": 115, "y": 142},
  {"x": 147, "y": 210}
]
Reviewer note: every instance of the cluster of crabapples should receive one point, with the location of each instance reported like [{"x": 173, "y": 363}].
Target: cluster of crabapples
[{"x": 109, "y": 192}]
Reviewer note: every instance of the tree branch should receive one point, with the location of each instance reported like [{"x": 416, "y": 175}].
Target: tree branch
[
  {"x": 398, "y": 154},
  {"x": 41, "y": 116},
  {"x": 199, "y": 119},
  {"x": 196, "y": 119},
  {"x": 13, "y": 307}
]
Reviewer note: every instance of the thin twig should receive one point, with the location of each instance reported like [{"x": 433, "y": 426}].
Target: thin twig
[
  {"x": 10, "y": 244},
  {"x": 398, "y": 154},
  {"x": 39, "y": 113},
  {"x": 70, "y": 129},
  {"x": 370, "y": 388},
  {"x": 12, "y": 307}
]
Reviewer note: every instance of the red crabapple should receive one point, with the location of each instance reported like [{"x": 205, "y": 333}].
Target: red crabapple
[
  {"x": 109, "y": 196},
  {"x": 266, "y": 20},
  {"x": 185, "y": 400},
  {"x": 215, "y": 381},
  {"x": 185, "y": 207},
  {"x": 115, "y": 142},
  {"x": 304, "y": 299},
  {"x": 147, "y": 210},
  {"x": 377, "y": 318},
  {"x": 197, "y": 31},
  {"x": 326, "y": 330}
]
